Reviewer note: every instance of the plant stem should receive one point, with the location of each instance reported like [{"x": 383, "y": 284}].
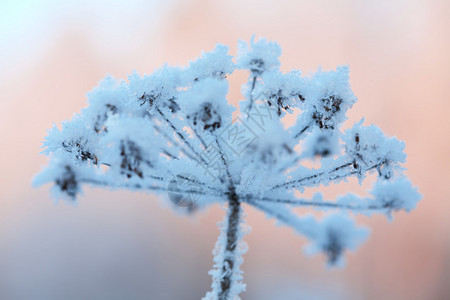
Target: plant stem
[{"x": 232, "y": 240}]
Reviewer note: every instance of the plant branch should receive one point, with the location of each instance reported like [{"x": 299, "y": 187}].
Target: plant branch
[
  {"x": 175, "y": 143},
  {"x": 285, "y": 216},
  {"x": 180, "y": 135},
  {"x": 302, "y": 131},
  {"x": 202, "y": 184},
  {"x": 197, "y": 134},
  {"x": 292, "y": 183},
  {"x": 149, "y": 187},
  {"x": 300, "y": 202},
  {"x": 250, "y": 97}
]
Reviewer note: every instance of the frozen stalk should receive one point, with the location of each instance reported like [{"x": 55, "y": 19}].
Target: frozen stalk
[
  {"x": 232, "y": 233},
  {"x": 227, "y": 276},
  {"x": 172, "y": 133}
]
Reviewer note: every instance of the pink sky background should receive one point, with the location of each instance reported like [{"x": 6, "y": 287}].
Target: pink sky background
[{"x": 123, "y": 245}]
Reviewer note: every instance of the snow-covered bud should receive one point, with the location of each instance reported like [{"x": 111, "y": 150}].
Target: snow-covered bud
[
  {"x": 207, "y": 117},
  {"x": 99, "y": 124},
  {"x": 282, "y": 91},
  {"x": 371, "y": 149},
  {"x": 67, "y": 182},
  {"x": 158, "y": 90},
  {"x": 132, "y": 159},
  {"x": 259, "y": 56},
  {"x": 109, "y": 98},
  {"x": 326, "y": 110},
  {"x": 271, "y": 146},
  {"x": 131, "y": 147},
  {"x": 79, "y": 148},
  {"x": 327, "y": 98},
  {"x": 74, "y": 139},
  {"x": 155, "y": 100},
  {"x": 320, "y": 143},
  {"x": 396, "y": 194},
  {"x": 330, "y": 97},
  {"x": 65, "y": 176},
  {"x": 216, "y": 64},
  {"x": 205, "y": 104},
  {"x": 333, "y": 235}
]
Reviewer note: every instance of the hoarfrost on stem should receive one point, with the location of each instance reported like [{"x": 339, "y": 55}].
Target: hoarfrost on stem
[{"x": 172, "y": 133}]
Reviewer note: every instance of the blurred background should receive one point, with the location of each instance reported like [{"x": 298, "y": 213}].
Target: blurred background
[{"x": 123, "y": 245}]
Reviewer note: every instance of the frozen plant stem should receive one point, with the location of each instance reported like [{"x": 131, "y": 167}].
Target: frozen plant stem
[
  {"x": 232, "y": 234},
  {"x": 172, "y": 133}
]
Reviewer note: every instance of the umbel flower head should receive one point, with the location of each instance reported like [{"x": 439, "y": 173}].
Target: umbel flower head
[{"x": 173, "y": 133}]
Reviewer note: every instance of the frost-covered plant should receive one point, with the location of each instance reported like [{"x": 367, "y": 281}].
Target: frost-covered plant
[{"x": 172, "y": 133}]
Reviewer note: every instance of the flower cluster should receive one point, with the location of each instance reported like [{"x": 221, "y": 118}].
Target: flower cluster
[{"x": 172, "y": 133}]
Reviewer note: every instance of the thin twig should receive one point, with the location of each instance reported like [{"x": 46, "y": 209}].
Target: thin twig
[
  {"x": 180, "y": 135},
  {"x": 199, "y": 183},
  {"x": 175, "y": 143},
  {"x": 251, "y": 100},
  {"x": 149, "y": 187},
  {"x": 199, "y": 137},
  {"x": 224, "y": 161},
  {"x": 300, "y": 202},
  {"x": 297, "y": 181},
  {"x": 286, "y": 219},
  {"x": 301, "y": 131}
]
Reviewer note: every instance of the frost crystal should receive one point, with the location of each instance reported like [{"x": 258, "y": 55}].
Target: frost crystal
[{"x": 172, "y": 133}]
